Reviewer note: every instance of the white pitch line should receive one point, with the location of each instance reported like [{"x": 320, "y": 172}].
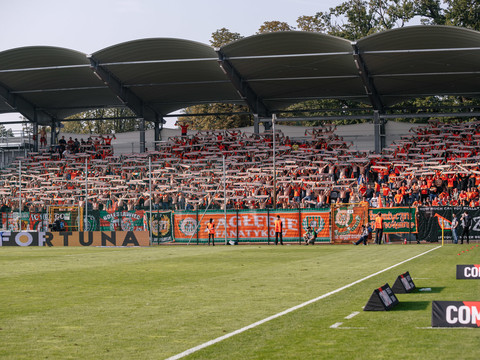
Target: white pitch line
[
  {"x": 260, "y": 322},
  {"x": 355, "y": 313},
  {"x": 350, "y": 328},
  {"x": 336, "y": 325}
]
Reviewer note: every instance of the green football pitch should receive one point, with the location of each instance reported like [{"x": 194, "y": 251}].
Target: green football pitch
[{"x": 158, "y": 302}]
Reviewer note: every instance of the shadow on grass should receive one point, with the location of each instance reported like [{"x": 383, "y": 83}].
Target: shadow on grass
[{"x": 411, "y": 305}]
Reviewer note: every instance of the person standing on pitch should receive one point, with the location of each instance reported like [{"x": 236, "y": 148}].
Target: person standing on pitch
[
  {"x": 278, "y": 230},
  {"x": 378, "y": 228},
  {"x": 211, "y": 232},
  {"x": 454, "y": 229},
  {"x": 466, "y": 223}
]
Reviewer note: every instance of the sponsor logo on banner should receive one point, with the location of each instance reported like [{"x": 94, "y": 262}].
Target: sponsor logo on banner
[
  {"x": 188, "y": 226},
  {"x": 315, "y": 222},
  {"x": 467, "y": 272},
  {"x": 69, "y": 238},
  {"x": 456, "y": 314}
]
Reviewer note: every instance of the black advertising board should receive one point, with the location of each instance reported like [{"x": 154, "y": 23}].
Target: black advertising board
[
  {"x": 456, "y": 314},
  {"x": 404, "y": 284},
  {"x": 432, "y": 218},
  {"x": 468, "y": 272},
  {"x": 382, "y": 299}
]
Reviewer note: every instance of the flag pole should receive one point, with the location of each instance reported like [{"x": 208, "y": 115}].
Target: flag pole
[
  {"x": 224, "y": 198},
  {"x": 85, "y": 219},
  {"x": 274, "y": 117},
  {"x": 150, "y": 195},
  {"x": 20, "y": 195}
]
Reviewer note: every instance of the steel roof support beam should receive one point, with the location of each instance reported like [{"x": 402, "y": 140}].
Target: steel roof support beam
[
  {"x": 246, "y": 92},
  {"x": 123, "y": 93},
  {"x": 24, "y": 107},
  {"x": 145, "y": 113},
  {"x": 368, "y": 83}
]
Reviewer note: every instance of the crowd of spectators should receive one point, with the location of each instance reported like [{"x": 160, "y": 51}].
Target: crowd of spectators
[{"x": 438, "y": 164}]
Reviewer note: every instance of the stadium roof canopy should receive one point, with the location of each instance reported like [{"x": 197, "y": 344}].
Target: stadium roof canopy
[{"x": 267, "y": 72}]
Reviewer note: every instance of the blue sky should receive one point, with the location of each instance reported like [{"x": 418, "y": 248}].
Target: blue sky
[{"x": 91, "y": 25}]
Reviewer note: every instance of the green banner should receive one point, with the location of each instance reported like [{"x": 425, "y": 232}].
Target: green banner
[
  {"x": 396, "y": 220},
  {"x": 161, "y": 225},
  {"x": 122, "y": 220}
]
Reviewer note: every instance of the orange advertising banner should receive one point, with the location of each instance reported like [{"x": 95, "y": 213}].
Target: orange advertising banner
[
  {"x": 250, "y": 226},
  {"x": 347, "y": 221}
]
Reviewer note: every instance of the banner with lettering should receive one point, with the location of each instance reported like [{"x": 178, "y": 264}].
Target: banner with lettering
[
  {"x": 432, "y": 218},
  {"x": 396, "y": 220},
  {"x": 38, "y": 221},
  {"x": 122, "y": 220},
  {"x": 75, "y": 238},
  {"x": 250, "y": 225}
]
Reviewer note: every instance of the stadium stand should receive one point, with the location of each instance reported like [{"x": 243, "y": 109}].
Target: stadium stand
[{"x": 437, "y": 164}]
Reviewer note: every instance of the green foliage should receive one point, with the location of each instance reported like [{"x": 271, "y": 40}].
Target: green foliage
[
  {"x": 274, "y": 26},
  {"x": 210, "y": 122},
  {"x": 352, "y": 19},
  {"x": 121, "y": 123},
  {"x": 224, "y": 36},
  {"x": 220, "y": 38},
  {"x": 464, "y": 13},
  {"x": 4, "y": 132},
  {"x": 430, "y": 11}
]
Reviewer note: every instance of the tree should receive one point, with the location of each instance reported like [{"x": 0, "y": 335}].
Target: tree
[
  {"x": 209, "y": 122},
  {"x": 274, "y": 26},
  {"x": 464, "y": 13},
  {"x": 223, "y": 37},
  {"x": 430, "y": 11},
  {"x": 124, "y": 121},
  {"x": 220, "y": 38},
  {"x": 4, "y": 132},
  {"x": 355, "y": 19}
]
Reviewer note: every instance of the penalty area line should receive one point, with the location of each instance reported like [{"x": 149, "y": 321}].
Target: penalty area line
[{"x": 285, "y": 312}]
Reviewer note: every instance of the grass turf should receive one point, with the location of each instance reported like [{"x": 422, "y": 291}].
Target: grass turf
[{"x": 152, "y": 303}]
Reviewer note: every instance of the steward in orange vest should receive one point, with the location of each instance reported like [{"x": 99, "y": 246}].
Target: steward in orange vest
[
  {"x": 278, "y": 230},
  {"x": 211, "y": 232}
]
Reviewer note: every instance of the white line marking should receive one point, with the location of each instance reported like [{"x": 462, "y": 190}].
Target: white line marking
[
  {"x": 355, "y": 313},
  {"x": 350, "y": 328},
  {"x": 260, "y": 322},
  {"x": 336, "y": 325}
]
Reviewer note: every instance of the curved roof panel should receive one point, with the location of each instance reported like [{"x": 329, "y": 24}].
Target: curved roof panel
[
  {"x": 421, "y": 61},
  {"x": 275, "y": 70},
  {"x": 56, "y": 80},
  {"x": 285, "y": 67},
  {"x": 168, "y": 74}
]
